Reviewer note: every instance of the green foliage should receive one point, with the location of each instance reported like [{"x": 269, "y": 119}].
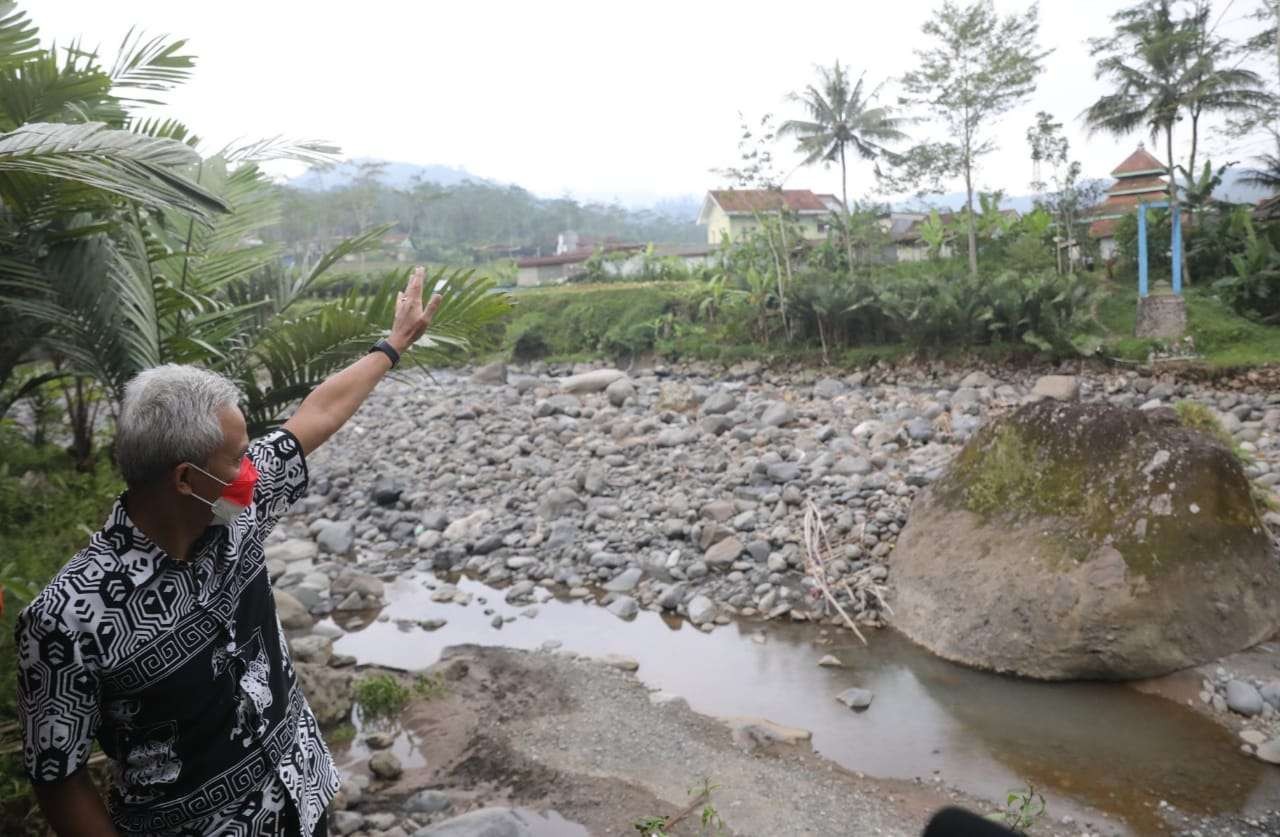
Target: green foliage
[
  {"x": 381, "y": 695},
  {"x": 430, "y": 686},
  {"x": 612, "y": 320},
  {"x": 651, "y": 826},
  {"x": 1024, "y": 807},
  {"x": 1197, "y": 416},
  {"x": 1254, "y": 290}
]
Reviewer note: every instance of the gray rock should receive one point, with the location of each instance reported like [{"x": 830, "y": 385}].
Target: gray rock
[
  {"x": 1270, "y": 751},
  {"x": 829, "y": 388},
  {"x": 436, "y": 520},
  {"x": 311, "y": 649},
  {"x": 1243, "y": 698},
  {"x": 346, "y": 822},
  {"x": 920, "y": 430},
  {"x": 719, "y": 403},
  {"x": 701, "y": 610},
  {"x": 486, "y": 822},
  {"x": 625, "y": 581},
  {"x": 294, "y": 549},
  {"x": 723, "y": 553},
  {"x": 338, "y": 538},
  {"x": 385, "y": 765},
  {"x": 675, "y": 436},
  {"x": 718, "y": 510},
  {"x": 493, "y": 373},
  {"x": 850, "y": 466},
  {"x": 624, "y": 607},
  {"x": 386, "y": 492},
  {"x": 856, "y": 698},
  {"x": 620, "y": 392},
  {"x": 557, "y": 503},
  {"x": 427, "y": 802},
  {"x": 567, "y": 405},
  {"x": 716, "y": 425},
  {"x": 1059, "y": 387},
  {"x": 783, "y": 472},
  {"x": 293, "y": 616},
  {"x": 1271, "y": 693},
  {"x": 355, "y": 582},
  {"x": 597, "y": 380},
  {"x": 469, "y": 528},
  {"x": 777, "y": 414}
]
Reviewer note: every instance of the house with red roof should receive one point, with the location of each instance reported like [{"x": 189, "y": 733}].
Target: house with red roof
[
  {"x": 1139, "y": 179},
  {"x": 733, "y": 213}
]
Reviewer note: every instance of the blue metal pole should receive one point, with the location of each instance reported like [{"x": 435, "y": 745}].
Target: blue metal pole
[
  {"x": 1177, "y": 253},
  {"x": 1142, "y": 250}
]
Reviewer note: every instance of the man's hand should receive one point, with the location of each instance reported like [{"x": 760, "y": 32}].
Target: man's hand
[
  {"x": 412, "y": 319},
  {"x": 333, "y": 402}
]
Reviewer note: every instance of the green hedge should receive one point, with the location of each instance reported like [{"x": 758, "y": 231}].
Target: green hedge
[{"x": 613, "y": 320}]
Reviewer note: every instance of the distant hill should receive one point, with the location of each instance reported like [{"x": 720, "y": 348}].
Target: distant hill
[{"x": 394, "y": 175}]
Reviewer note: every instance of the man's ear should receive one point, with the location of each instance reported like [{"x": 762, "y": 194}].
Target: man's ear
[{"x": 180, "y": 477}]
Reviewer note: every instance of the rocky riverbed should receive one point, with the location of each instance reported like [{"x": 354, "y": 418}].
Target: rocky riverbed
[{"x": 677, "y": 490}]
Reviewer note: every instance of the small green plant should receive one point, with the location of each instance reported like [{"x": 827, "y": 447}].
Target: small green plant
[
  {"x": 651, "y": 826},
  {"x": 1023, "y": 808},
  {"x": 710, "y": 822},
  {"x": 343, "y": 733},
  {"x": 381, "y": 695},
  {"x": 430, "y": 686},
  {"x": 1197, "y": 416}
]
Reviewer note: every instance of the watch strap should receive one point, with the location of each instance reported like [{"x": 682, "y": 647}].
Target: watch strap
[{"x": 387, "y": 349}]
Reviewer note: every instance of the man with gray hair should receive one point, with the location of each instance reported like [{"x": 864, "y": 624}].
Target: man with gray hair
[{"x": 160, "y": 639}]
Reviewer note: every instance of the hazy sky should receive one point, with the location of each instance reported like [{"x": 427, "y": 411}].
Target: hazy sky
[{"x": 592, "y": 98}]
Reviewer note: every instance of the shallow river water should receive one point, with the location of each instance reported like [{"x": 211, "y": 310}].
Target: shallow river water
[{"x": 1096, "y": 749}]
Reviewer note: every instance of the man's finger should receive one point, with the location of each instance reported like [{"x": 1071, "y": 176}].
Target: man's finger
[
  {"x": 414, "y": 289},
  {"x": 432, "y": 306}
]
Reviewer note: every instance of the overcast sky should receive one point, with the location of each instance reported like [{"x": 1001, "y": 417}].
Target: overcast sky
[{"x": 590, "y": 98}]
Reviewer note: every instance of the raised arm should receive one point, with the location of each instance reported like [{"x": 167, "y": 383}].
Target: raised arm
[{"x": 333, "y": 402}]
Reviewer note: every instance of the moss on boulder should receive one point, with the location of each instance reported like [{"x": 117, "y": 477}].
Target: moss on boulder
[{"x": 1084, "y": 540}]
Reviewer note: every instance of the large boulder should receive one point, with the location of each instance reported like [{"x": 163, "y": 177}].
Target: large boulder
[
  {"x": 1074, "y": 540},
  {"x": 597, "y": 380}
]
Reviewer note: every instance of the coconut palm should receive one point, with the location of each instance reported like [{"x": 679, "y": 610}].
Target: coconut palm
[
  {"x": 841, "y": 115},
  {"x": 1267, "y": 174},
  {"x": 1160, "y": 68}
]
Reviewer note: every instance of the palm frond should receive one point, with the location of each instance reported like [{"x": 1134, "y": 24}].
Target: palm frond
[
  {"x": 19, "y": 38},
  {"x": 151, "y": 64},
  {"x": 311, "y": 152},
  {"x": 119, "y": 162}
]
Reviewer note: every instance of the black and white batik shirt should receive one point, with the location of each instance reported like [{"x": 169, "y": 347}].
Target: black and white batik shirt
[{"x": 181, "y": 671}]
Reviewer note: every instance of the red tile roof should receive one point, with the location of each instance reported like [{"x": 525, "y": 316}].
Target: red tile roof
[
  {"x": 1267, "y": 209},
  {"x": 743, "y": 201},
  {"x": 1147, "y": 183},
  {"x": 1103, "y": 229},
  {"x": 1139, "y": 162}
]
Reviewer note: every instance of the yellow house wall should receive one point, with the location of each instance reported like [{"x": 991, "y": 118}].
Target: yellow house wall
[{"x": 736, "y": 226}]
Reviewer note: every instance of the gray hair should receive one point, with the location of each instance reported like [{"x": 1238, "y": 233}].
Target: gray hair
[{"x": 170, "y": 415}]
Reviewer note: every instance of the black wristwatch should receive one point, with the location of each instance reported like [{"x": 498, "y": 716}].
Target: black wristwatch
[{"x": 388, "y": 350}]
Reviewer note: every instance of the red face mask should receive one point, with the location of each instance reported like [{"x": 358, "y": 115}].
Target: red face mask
[{"x": 236, "y": 496}]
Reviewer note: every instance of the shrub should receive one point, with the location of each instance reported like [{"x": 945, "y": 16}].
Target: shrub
[{"x": 380, "y": 695}]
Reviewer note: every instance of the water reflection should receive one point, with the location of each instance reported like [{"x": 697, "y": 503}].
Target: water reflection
[{"x": 1105, "y": 745}]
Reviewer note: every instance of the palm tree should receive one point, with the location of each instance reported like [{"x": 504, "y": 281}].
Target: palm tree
[
  {"x": 1161, "y": 67},
  {"x": 1267, "y": 174},
  {"x": 841, "y": 116}
]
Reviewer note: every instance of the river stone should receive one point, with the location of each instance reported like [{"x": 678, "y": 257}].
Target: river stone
[
  {"x": 557, "y": 503},
  {"x": 1271, "y": 693},
  {"x": 293, "y": 616},
  {"x": 620, "y": 391},
  {"x": 1047, "y": 551},
  {"x": 856, "y": 698},
  {"x": 311, "y": 649},
  {"x": 328, "y": 691},
  {"x": 752, "y": 734},
  {"x": 701, "y": 610},
  {"x": 1270, "y": 751},
  {"x": 1243, "y": 698},
  {"x": 723, "y": 553},
  {"x": 493, "y": 373},
  {"x": 597, "y": 380},
  {"x": 386, "y": 491},
  {"x": 777, "y": 414},
  {"x": 625, "y": 608},
  {"x": 719, "y": 403},
  {"x": 625, "y": 581},
  {"x": 676, "y": 397},
  {"x": 427, "y": 802},
  {"x": 469, "y": 528},
  {"x": 354, "y": 582},
  {"x": 830, "y": 661},
  {"x": 294, "y": 549},
  {"x": 1059, "y": 387},
  {"x": 385, "y": 765},
  {"x": 486, "y": 822},
  {"x": 337, "y": 538}
]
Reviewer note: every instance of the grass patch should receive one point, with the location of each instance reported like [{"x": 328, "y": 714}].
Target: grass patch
[
  {"x": 343, "y": 733},
  {"x": 381, "y": 695},
  {"x": 430, "y": 686},
  {"x": 1197, "y": 416}
]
